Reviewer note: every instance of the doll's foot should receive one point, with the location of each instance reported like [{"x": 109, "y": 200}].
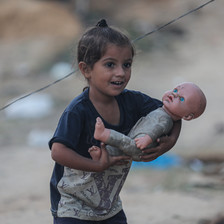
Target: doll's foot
[
  {"x": 95, "y": 153},
  {"x": 101, "y": 133}
]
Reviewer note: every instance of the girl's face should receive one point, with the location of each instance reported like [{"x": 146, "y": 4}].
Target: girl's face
[{"x": 111, "y": 74}]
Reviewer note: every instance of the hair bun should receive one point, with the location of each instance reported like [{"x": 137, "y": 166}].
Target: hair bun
[{"x": 102, "y": 23}]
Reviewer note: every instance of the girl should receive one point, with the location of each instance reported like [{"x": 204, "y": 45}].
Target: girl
[{"x": 84, "y": 190}]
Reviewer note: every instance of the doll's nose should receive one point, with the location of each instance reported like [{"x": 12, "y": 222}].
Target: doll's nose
[{"x": 174, "y": 94}]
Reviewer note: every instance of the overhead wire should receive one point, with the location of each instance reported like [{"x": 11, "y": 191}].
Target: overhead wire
[{"x": 136, "y": 39}]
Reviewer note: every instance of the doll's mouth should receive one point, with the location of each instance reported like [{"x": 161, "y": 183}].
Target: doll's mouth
[{"x": 170, "y": 98}]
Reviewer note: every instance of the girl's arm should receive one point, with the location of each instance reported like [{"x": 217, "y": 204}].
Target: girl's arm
[
  {"x": 165, "y": 144},
  {"x": 69, "y": 158}
]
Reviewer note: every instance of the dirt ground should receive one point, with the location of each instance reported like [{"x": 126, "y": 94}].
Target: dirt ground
[
  {"x": 191, "y": 193},
  {"x": 176, "y": 195}
]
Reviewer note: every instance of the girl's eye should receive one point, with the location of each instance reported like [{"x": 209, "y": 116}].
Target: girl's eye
[
  {"x": 127, "y": 65},
  {"x": 109, "y": 64},
  {"x": 181, "y": 99},
  {"x": 175, "y": 90}
]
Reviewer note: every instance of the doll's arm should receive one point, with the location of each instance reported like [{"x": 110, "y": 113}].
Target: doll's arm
[
  {"x": 164, "y": 143},
  {"x": 156, "y": 127},
  {"x": 143, "y": 142}
]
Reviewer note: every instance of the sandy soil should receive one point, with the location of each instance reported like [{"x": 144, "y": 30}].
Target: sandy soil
[
  {"x": 189, "y": 194},
  {"x": 177, "y": 195}
]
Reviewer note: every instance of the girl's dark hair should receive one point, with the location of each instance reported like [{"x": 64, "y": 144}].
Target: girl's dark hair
[{"x": 94, "y": 42}]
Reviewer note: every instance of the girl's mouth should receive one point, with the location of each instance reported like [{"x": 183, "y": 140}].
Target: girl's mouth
[{"x": 117, "y": 83}]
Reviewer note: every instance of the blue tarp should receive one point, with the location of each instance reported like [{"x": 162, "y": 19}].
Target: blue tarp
[{"x": 163, "y": 162}]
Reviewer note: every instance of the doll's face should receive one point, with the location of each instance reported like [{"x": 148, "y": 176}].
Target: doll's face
[{"x": 182, "y": 101}]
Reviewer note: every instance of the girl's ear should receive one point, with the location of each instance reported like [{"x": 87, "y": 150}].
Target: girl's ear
[
  {"x": 189, "y": 117},
  {"x": 84, "y": 68}
]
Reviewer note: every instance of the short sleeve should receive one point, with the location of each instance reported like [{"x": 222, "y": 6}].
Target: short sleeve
[
  {"x": 146, "y": 104},
  {"x": 68, "y": 130}
]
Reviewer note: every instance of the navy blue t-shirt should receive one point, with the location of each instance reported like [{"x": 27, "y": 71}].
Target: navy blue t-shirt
[{"x": 77, "y": 124}]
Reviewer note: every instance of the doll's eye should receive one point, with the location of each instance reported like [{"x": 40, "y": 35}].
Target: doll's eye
[
  {"x": 181, "y": 99},
  {"x": 175, "y": 90}
]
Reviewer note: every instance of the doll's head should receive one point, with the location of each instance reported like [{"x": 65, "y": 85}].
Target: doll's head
[{"x": 186, "y": 101}]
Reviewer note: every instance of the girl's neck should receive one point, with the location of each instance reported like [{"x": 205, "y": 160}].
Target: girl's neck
[{"x": 108, "y": 109}]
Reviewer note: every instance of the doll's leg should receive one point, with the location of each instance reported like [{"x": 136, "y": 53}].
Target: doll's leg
[
  {"x": 124, "y": 144},
  {"x": 113, "y": 151},
  {"x": 101, "y": 133},
  {"x": 95, "y": 153},
  {"x": 120, "y": 144}
]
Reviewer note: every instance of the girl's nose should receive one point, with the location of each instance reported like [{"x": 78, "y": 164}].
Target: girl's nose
[{"x": 120, "y": 71}]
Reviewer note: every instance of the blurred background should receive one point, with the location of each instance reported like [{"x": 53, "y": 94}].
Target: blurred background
[{"x": 38, "y": 40}]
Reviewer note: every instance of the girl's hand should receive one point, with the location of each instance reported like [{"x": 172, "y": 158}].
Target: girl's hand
[{"x": 106, "y": 160}]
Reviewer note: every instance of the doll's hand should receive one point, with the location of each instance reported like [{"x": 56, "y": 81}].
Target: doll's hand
[
  {"x": 143, "y": 142},
  {"x": 164, "y": 144}
]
